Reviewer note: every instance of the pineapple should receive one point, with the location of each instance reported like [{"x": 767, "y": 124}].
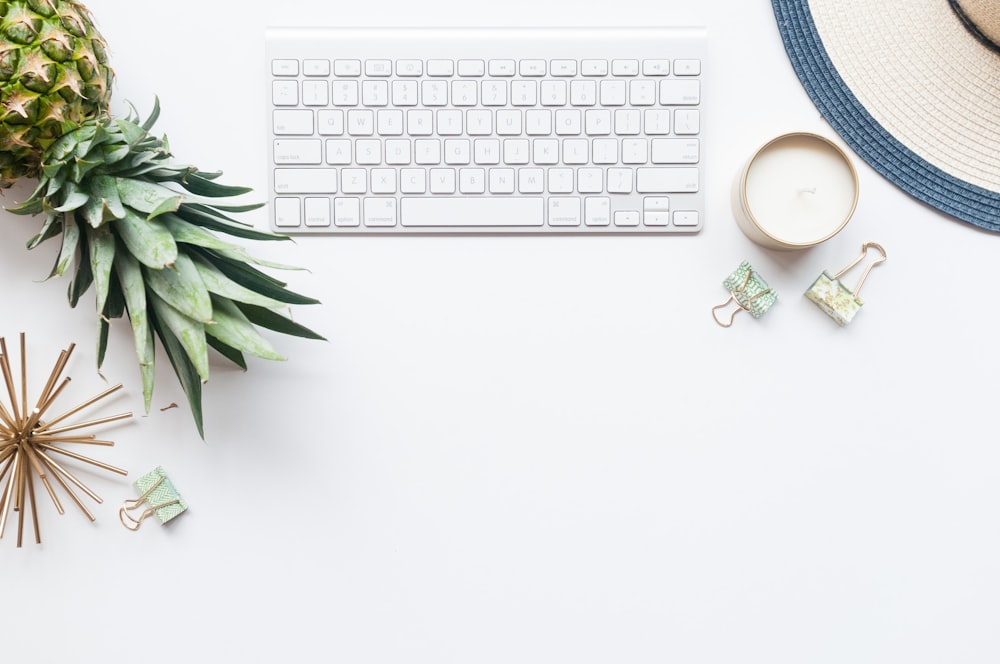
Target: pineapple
[
  {"x": 143, "y": 230},
  {"x": 54, "y": 73}
]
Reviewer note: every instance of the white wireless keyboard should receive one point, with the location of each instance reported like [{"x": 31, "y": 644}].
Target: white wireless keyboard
[{"x": 389, "y": 131}]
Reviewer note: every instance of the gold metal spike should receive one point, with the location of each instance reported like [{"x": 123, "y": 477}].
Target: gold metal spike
[{"x": 28, "y": 440}]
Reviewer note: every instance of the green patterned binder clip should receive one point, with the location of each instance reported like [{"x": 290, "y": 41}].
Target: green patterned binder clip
[
  {"x": 159, "y": 493},
  {"x": 833, "y": 297},
  {"x": 749, "y": 291}
]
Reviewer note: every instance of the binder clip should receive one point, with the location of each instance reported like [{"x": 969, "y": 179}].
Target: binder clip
[
  {"x": 159, "y": 493},
  {"x": 834, "y": 298},
  {"x": 749, "y": 291}
]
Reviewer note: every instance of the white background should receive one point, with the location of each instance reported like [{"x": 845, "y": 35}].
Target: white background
[{"x": 533, "y": 449}]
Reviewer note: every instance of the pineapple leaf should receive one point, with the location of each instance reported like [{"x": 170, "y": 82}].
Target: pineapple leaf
[
  {"x": 154, "y": 115},
  {"x": 73, "y": 199},
  {"x": 51, "y": 226},
  {"x": 150, "y": 240},
  {"x": 228, "y": 352},
  {"x": 218, "y": 283},
  {"x": 102, "y": 256},
  {"x": 232, "y": 328},
  {"x": 70, "y": 240},
  {"x": 204, "y": 217},
  {"x": 114, "y": 308},
  {"x": 148, "y": 197},
  {"x": 181, "y": 286},
  {"x": 272, "y": 320},
  {"x": 134, "y": 292},
  {"x": 83, "y": 277},
  {"x": 185, "y": 370},
  {"x": 202, "y": 186},
  {"x": 189, "y": 333},
  {"x": 253, "y": 279}
]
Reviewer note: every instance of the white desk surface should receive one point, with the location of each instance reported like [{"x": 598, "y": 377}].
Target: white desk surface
[{"x": 533, "y": 449}]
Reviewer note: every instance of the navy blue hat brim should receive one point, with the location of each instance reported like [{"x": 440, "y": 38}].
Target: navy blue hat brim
[{"x": 883, "y": 152}]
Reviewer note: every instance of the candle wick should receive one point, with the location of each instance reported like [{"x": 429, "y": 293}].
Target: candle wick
[{"x": 811, "y": 190}]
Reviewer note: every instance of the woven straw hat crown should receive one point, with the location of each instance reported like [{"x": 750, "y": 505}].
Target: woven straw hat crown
[{"x": 982, "y": 17}]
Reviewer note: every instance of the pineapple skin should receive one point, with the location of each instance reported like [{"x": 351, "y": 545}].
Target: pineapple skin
[{"x": 54, "y": 75}]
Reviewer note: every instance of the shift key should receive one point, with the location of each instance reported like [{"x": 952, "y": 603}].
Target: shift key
[{"x": 666, "y": 180}]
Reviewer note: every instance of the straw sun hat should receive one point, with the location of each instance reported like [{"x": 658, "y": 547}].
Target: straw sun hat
[{"x": 913, "y": 86}]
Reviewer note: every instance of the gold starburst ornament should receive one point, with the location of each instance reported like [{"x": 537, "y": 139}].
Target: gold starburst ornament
[{"x": 29, "y": 442}]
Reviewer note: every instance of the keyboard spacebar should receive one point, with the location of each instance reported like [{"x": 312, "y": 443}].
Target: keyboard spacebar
[{"x": 495, "y": 211}]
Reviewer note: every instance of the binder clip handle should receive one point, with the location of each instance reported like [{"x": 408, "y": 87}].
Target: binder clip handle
[
  {"x": 165, "y": 493},
  {"x": 868, "y": 268},
  {"x": 748, "y": 291}
]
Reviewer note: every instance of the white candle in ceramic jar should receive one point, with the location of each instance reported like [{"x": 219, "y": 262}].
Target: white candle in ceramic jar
[{"x": 795, "y": 192}]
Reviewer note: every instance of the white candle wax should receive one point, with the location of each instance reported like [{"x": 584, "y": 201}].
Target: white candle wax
[{"x": 796, "y": 191}]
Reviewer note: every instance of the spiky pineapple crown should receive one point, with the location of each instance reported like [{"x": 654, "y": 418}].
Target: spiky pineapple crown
[
  {"x": 142, "y": 230},
  {"x": 54, "y": 75}
]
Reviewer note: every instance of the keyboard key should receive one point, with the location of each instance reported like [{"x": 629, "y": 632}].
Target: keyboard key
[
  {"x": 315, "y": 93},
  {"x": 531, "y": 180},
  {"x": 316, "y": 67},
  {"x": 583, "y": 93},
  {"x": 409, "y": 68},
  {"x": 687, "y": 67},
  {"x": 298, "y": 151},
  {"x": 564, "y": 211},
  {"x": 345, "y": 93},
  {"x": 404, "y": 93},
  {"x": 642, "y": 92},
  {"x": 502, "y": 68},
  {"x": 347, "y": 68},
  {"x": 523, "y": 93},
  {"x": 464, "y": 93},
  {"x": 287, "y": 212},
  {"x": 442, "y": 182},
  {"x": 285, "y": 93},
  {"x": 285, "y": 67},
  {"x": 675, "y": 150},
  {"x": 375, "y": 93},
  {"x": 330, "y": 122},
  {"x": 666, "y": 180},
  {"x": 613, "y": 93},
  {"x": 532, "y": 68},
  {"x": 627, "y": 218},
  {"x": 590, "y": 180},
  {"x": 293, "y": 122},
  {"x": 597, "y": 211},
  {"x": 413, "y": 181},
  {"x": 553, "y": 93},
  {"x": 625, "y": 67},
  {"x": 383, "y": 180},
  {"x": 317, "y": 212},
  {"x": 360, "y": 123},
  {"x": 687, "y": 122},
  {"x": 594, "y": 68},
  {"x": 378, "y": 68},
  {"x": 347, "y": 212},
  {"x": 427, "y": 212},
  {"x": 472, "y": 180},
  {"x": 471, "y": 68},
  {"x": 354, "y": 180},
  {"x": 680, "y": 92},
  {"x": 619, "y": 180},
  {"x": 440, "y": 68},
  {"x": 305, "y": 180},
  {"x": 562, "y": 68},
  {"x": 686, "y": 218},
  {"x": 502, "y": 180},
  {"x": 380, "y": 212},
  {"x": 655, "y": 67}
]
